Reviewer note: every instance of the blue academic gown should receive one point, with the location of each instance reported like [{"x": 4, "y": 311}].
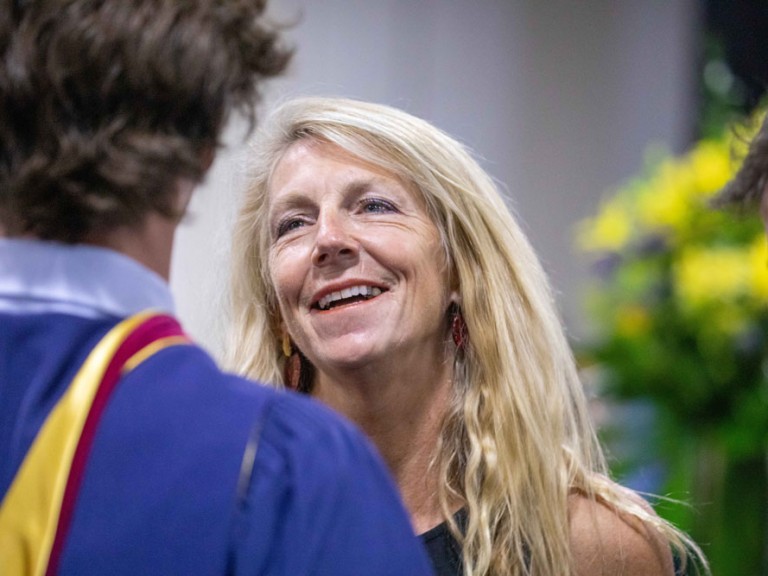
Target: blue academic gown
[{"x": 163, "y": 490}]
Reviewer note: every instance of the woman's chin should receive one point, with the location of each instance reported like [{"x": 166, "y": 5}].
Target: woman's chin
[{"x": 349, "y": 359}]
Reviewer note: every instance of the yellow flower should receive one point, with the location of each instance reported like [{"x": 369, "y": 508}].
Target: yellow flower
[
  {"x": 666, "y": 203},
  {"x": 705, "y": 276},
  {"x": 711, "y": 165},
  {"x": 609, "y": 230}
]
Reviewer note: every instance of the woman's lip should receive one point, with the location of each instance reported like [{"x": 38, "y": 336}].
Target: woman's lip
[
  {"x": 339, "y": 286},
  {"x": 342, "y": 307},
  {"x": 361, "y": 291}
]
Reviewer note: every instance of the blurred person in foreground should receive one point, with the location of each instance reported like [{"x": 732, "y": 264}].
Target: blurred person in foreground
[
  {"x": 123, "y": 448},
  {"x": 377, "y": 268}
]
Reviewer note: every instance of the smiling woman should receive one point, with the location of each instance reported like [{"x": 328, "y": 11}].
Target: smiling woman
[
  {"x": 357, "y": 267},
  {"x": 377, "y": 268}
]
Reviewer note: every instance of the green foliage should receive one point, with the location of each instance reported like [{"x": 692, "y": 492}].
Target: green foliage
[
  {"x": 679, "y": 295},
  {"x": 679, "y": 304}
]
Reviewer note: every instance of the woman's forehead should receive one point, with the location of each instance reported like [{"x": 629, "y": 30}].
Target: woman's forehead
[{"x": 363, "y": 158}]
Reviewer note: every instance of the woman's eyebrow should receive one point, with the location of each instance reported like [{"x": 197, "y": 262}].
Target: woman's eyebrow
[
  {"x": 358, "y": 186},
  {"x": 292, "y": 199},
  {"x": 361, "y": 185}
]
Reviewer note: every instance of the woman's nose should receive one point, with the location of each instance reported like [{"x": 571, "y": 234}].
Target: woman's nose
[{"x": 333, "y": 241}]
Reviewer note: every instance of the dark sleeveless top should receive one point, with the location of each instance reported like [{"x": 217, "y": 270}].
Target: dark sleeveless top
[{"x": 443, "y": 549}]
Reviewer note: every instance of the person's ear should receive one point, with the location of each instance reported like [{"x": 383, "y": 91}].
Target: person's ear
[
  {"x": 208, "y": 155},
  {"x": 184, "y": 190},
  {"x": 185, "y": 187}
]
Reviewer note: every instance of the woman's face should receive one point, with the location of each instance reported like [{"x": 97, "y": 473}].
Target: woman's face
[{"x": 355, "y": 259}]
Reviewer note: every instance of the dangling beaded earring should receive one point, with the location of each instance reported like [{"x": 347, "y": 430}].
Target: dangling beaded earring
[
  {"x": 298, "y": 372},
  {"x": 292, "y": 368},
  {"x": 458, "y": 328}
]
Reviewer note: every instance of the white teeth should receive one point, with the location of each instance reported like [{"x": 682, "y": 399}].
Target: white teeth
[{"x": 367, "y": 291}]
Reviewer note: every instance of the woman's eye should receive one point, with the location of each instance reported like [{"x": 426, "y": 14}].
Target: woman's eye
[
  {"x": 376, "y": 205},
  {"x": 288, "y": 225}
]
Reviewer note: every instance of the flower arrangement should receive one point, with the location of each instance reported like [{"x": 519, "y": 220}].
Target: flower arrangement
[
  {"x": 680, "y": 296},
  {"x": 679, "y": 303}
]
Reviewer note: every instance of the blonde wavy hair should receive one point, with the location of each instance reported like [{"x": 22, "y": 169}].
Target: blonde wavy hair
[{"x": 517, "y": 438}]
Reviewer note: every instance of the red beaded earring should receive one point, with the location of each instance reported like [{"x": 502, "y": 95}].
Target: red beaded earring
[
  {"x": 458, "y": 328},
  {"x": 298, "y": 372}
]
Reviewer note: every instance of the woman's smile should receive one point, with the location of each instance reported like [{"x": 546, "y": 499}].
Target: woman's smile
[{"x": 346, "y": 297}]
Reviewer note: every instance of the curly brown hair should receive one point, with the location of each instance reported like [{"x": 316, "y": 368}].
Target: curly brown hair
[{"x": 104, "y": 104}]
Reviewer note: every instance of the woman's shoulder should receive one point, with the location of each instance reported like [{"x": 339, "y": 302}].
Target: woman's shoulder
[{"x": 607, "y": 543}]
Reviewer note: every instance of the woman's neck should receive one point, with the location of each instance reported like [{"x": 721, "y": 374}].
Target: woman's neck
[{"x": 402, "y": 411}]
